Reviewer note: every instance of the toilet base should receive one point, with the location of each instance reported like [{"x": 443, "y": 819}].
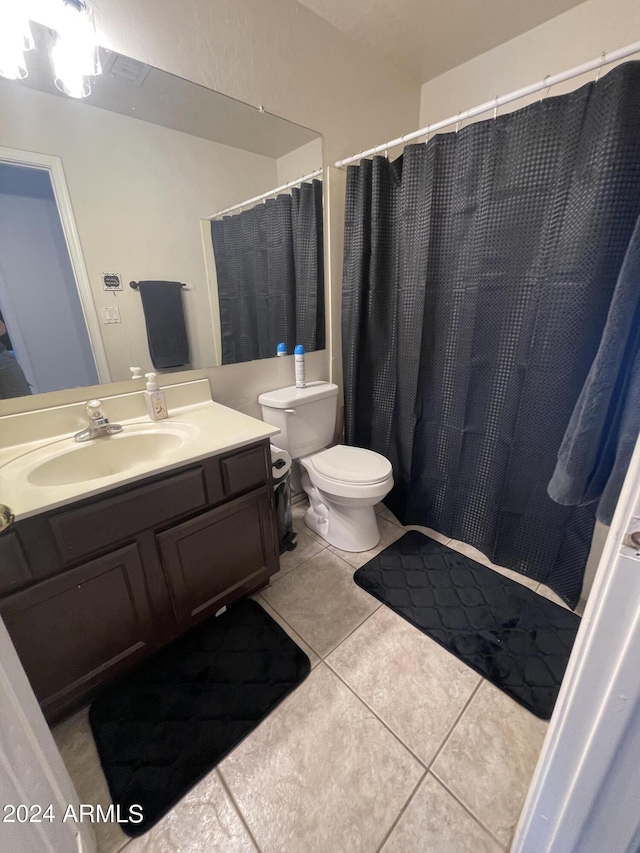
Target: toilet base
[{"x": 343, "y": 522}]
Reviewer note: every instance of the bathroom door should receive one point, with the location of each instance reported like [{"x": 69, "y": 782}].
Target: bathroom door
[
  {"x": 584, "y": 794},
  {"x": 32, "y": 772}
]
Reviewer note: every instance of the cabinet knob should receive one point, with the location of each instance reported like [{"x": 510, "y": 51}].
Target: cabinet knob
[{"x": 6, "y": 518}]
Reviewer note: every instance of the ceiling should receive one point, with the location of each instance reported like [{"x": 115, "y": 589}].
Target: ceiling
[{"x": 428, "y": 37}]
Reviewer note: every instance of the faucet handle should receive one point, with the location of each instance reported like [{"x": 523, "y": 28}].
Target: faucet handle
[{"x": 95, "y": 410}]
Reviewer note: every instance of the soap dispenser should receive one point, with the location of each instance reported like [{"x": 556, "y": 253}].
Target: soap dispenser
[{"x": 155, "y": 399}]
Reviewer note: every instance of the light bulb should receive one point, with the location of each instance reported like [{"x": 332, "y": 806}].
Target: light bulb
[
  {"x": 75, "y": 54},
  {"x": 68, "y": 73},
  {"x": 15, "y": 39}
]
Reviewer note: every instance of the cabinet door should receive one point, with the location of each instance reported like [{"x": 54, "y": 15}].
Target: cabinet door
[
  {"x": 219, "y": 556},
  {"x": 76, "y": 630}
]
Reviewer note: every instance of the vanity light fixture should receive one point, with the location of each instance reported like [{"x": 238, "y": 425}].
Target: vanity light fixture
[
  {"x": 74, "y": 55},
  {"x": 15, "y": 39}
]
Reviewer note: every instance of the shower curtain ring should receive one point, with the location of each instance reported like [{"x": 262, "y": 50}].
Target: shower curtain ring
[
  {"x": 547, "y": 90},
  {"x": 458, "y": 123},
  {"x": 495, "y": 108},
  {"x": 602, "y": 56}
]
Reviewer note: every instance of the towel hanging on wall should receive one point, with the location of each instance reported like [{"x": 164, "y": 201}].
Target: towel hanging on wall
[{"x": 164, "y": 318}]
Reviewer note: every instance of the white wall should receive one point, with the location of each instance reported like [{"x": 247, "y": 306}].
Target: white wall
[
  {"x": 138, "y": 192},
  {"x": 277, "y": 54},
  {"x": 300, "y": 162},
  {"x": 579, "y": 35}
]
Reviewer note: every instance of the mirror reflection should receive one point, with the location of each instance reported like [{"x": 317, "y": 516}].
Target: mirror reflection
[
  {"x": 269, "y": 269},
  {"x": 211, "y": 207}
]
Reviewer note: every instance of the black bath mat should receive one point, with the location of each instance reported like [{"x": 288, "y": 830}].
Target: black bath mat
[
  {"x": 512, "y": 636},
  {"x": 163, "y": 726}
]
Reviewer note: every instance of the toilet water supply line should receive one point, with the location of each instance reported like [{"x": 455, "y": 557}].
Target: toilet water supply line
[{"x": 546, "y": 84}]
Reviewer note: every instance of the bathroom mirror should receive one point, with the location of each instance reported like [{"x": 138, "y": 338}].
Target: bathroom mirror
[{"x": 131, "y": 185}]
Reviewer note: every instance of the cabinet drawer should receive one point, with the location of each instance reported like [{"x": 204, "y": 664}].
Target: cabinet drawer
[
  {"x": 76, "y": 630},
  {"x": 92, "y": 527},
  {"x": 14, "y": 568},
  {"x": 244, "y": 471}
]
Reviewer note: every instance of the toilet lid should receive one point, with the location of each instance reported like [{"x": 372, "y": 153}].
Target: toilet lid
[{"x": 351, "y": 465}]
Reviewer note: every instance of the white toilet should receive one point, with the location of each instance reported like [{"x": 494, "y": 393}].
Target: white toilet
[{"x": 343, "y": 483}]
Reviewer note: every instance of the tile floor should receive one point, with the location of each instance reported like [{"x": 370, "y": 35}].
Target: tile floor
[{"x": 391, "y": 744}]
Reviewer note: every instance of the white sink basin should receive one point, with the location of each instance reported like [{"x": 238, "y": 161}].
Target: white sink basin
[{"x": 67, "y": 462}]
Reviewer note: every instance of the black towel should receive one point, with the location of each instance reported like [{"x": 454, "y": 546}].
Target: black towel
[
  {"x": 598, "y": 444},
  {"x": 164, "y": 316}
]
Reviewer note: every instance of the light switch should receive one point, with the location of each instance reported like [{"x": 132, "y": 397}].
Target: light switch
[{"x": 111, "y": 314}]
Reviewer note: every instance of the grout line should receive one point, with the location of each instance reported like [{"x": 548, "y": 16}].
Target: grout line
[
  {"x": 298, "y": 632},
  {"x": 234, "y": 805},
  {"x": 300, "y": 527},
  {"x": 305, "y": 640},
  {"x": 389, "y": 520},
  {"x": 455, "y": 722},
  {"x": 467, "y": 809},
  {"x": 291, "y": 628},
  {"x": 402, "y": 811},
  {"x": 299, "y": 565},
  {"x": 353, "y": 630},
  {"x": 378, "y": 717}
]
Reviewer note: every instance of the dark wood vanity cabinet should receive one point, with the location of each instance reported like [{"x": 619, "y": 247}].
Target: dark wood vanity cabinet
[
  {"x": 90, "y": 589},
  {"x": 78, "y": 629},
  {"x": 216, "y": 554}
]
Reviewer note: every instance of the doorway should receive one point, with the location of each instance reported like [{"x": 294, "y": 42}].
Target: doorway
[{"x": 39, "y": 299}]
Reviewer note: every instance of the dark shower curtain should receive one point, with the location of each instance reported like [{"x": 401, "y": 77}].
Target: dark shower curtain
[
  {"x": 479, "y": 269},
  {"x": 269, "y": 266}
]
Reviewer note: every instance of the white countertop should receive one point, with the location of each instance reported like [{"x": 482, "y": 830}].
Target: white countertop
[{"x": 213, "y": 429}]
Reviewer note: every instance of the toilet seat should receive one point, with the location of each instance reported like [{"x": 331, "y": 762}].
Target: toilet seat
[
  {"x": 344, "y": 484},
  {"x": 350, "y": 465}
]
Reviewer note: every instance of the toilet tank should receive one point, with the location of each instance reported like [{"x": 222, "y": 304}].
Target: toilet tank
[{"x": 306, "y": 416}]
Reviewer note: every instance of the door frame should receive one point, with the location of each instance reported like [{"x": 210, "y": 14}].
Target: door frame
[{"x": 34, "y": 160}]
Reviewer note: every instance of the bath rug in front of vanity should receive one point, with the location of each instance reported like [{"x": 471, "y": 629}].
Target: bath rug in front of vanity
[
  {"x": 512, "y": 636},
  {"x": 163, "y": 726}
]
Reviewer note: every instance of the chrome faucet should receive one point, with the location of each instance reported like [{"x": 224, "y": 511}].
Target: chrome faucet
[{"x": 98, "y": 423}]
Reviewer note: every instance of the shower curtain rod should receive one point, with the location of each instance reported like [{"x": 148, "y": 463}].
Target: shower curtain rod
[
  {"x": 547, "y": 83},
  {"x": 277, "y": 190}
]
